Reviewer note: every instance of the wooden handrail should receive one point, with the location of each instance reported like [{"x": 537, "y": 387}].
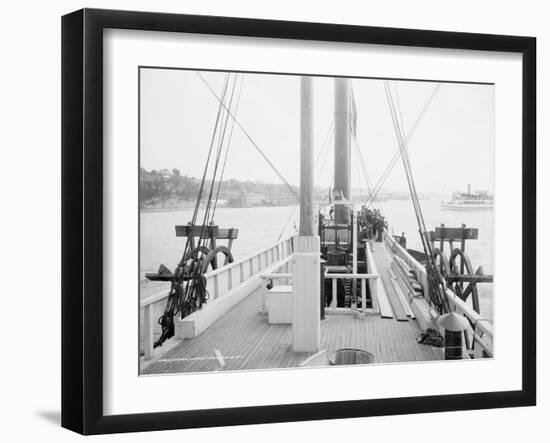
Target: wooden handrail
[
  {"x": 273, "y": 276},
  {"x": 461, "y": 307},
  {"x": 356, "y": 276}
]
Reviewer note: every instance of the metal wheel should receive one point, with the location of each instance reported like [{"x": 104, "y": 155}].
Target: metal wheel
[
  {"x": 211, "y": 260},
  {"x": 460, "y": 264}
]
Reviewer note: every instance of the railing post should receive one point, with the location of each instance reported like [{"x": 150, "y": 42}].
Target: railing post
[
  {"x": 363, "y": 294},
  {"x": 263, "y": 307},
  {"x": 216, "y": 286},
  {"x": 334, "y": 301},
  {"x": 148, "y": 331}
]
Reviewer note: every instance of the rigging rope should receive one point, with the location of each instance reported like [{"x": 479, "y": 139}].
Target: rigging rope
[
  {"x": 197, "y": 279},
  {"x": 228, "y": 143},
  {"x": 395, "y": 157},
  {"x": 362, "y": 165},
  {"x": 322, "y": 152},
  {"x": 247, "y": 135},
  {"x": 203, "y": 180},
  {"x": 324, "y": 149},
  {"x": 436, "y": 283},
  {"x": 180, "y": 298},
  {"x": 221, "y": 139}
]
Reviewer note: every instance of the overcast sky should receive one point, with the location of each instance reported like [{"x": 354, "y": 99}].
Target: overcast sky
[{"x": 452, "y": 146}]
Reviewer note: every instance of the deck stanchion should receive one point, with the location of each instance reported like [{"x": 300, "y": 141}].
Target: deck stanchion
[
  {"x": 148, "y": 331},
  {"x": 216, "y": 286},
  {"x": 306, "y": 284},
  {"x": 230, "y": 279}
]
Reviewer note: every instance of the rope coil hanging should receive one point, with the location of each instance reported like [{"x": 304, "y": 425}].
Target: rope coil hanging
[{"x": 188, "y": 285}]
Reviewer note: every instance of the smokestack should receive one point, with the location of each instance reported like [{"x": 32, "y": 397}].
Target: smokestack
[{"x": 342, "y": 160}]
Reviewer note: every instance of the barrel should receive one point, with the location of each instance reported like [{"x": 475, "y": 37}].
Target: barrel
[
  {"x": 350, "y": 356},
  {"x": 453, "y": 345}
]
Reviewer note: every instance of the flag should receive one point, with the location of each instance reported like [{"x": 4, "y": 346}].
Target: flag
[{"x": 353, "y": 116}]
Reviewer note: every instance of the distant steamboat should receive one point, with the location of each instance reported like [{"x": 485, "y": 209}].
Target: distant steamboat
[{"x": 469, "y": 200}]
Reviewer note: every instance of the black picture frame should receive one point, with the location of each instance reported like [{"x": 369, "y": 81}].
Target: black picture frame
[{"x": 82, "y": 219}]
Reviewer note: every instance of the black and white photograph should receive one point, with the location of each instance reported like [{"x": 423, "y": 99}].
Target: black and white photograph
[
  {"x": 292, "y": 221},
  {"x": 264, "y": 222}
]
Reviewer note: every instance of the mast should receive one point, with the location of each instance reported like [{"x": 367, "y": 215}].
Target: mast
[
  {"x": 342, "y": 153},
  {"x": 306, "y": 284},
  {"x": 306, "y": 157}
]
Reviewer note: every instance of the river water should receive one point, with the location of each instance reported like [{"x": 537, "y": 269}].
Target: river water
[{"x": 260, "y": 227}]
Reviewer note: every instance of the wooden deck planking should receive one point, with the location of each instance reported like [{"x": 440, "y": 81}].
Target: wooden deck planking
[
  {"x": 383, "y": 264},
  {"x": 246, "y": 341}
]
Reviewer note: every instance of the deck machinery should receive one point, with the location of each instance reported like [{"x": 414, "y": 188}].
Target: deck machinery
[{"x": 343, "y": 246}]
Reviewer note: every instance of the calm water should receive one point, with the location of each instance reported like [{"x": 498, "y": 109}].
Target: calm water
[
  {"x": 260, "y": 227},
  {"x": 400, "y": 216}
]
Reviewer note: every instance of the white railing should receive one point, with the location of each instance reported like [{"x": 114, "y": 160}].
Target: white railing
[
  {"x": 218, "y": 282},
  {"x": 363, "y": 278},
  {"x": 418, "y": 269},
  {"x": 283, "y": 275},
  {"x": 483, "y": 329}
]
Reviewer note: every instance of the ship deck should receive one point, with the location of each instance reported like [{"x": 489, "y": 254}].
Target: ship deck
[{"x": 243, "y": 340}]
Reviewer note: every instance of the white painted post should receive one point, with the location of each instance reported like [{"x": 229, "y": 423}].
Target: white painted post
[
  {"x": 263, "y": 307},
  {"x": 148, "y": 331},
  {"x": 306, "y": 282},
  {"x": 306, "y": 288},
  {"x": 216, "y": 286},
  {"x": 354, "y": 253},
  {"x": 363, "y": 294},
  {"x": 334, "y": 301},
  {"x": 354, "y": 242}
]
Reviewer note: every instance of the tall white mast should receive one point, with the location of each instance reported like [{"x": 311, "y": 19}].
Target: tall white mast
[{"x": 306, "y": 285}]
